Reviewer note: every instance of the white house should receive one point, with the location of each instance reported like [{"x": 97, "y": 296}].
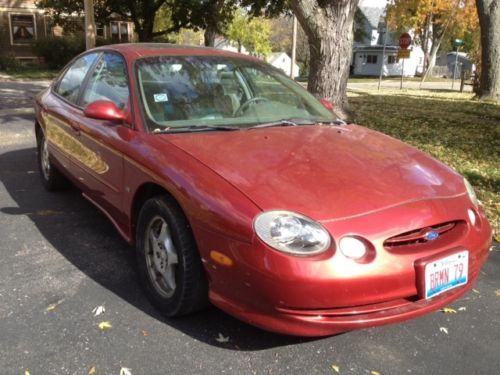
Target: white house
[
  {"x": 367, "y": 54},
  {"x": 367, "y": 61},
  {"x": 227, "y": 45},
  {"x": 282, "y": 61}
]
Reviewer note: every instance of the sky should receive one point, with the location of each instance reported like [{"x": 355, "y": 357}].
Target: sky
[{"x": 373, "y": 3}]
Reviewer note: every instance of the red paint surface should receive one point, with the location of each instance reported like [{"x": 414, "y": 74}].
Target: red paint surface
[{"x": 351, "y": 179}]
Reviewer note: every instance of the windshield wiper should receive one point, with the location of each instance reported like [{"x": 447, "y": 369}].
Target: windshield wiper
[
  {"x": 193, "y": 128},
  {"x": 284, "y": 122}
]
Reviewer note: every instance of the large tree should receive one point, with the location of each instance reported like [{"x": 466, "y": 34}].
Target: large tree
[
  {"x": 489, "y": 19},
  {"x": 329, "y": 28},
  {"x": 141, "y": 12}
]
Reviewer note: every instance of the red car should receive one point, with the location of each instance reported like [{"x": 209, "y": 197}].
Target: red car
[{"x": 240, "y": 188}]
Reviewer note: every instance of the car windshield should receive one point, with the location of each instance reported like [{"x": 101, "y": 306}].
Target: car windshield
[{"x": 202, "y": 92}]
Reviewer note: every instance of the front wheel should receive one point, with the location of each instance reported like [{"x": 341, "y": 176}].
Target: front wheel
[{"x": 169, "y": 266}]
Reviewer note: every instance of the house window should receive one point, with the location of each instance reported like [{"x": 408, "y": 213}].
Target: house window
[
  {"x": 22, "y": 28},
  {"x": 100, "y": 31},
  {"x": 120, "y": 32},
  {"x": 392, "y": 59},
  {"x": 371, "y": 59}
]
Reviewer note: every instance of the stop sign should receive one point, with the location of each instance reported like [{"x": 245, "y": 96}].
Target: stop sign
[{"x": 404, "y": 40}]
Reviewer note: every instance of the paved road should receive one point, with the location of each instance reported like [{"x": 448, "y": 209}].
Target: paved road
[{"x": 60, "y": 258}]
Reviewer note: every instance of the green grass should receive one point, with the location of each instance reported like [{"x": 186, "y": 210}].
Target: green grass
[
  {"x": 29, "y": 73},
  {"x": 453, "y": 127}
]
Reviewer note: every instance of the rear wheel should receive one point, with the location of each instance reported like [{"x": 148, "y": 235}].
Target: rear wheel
[
  {"x": 52, "y": 179},
  {"x": 169, "y": 265}
]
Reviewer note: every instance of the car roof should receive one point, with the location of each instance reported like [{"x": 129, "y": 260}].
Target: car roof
[{"x": 132, "y": 51}]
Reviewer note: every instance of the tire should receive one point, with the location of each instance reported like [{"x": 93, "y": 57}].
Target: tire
[
  {"x": 51, "y": 178},
  {"x": 169, "y": 266}
]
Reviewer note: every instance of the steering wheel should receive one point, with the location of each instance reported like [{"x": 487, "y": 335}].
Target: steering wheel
[{"x": 245, "y": 105}]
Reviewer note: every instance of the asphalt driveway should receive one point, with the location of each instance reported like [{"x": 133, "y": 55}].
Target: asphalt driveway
[{"x": 61, "y": 258}]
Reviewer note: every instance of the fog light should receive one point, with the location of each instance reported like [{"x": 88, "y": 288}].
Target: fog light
[
  {"x": 352, "y": 247},
  {"x": 472, "y": 216}
]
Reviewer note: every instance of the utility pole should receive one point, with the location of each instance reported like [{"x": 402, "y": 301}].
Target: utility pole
[
  {"x": 294, "y": 47},
  {"x": 383, "y": 54},
  {"x": 89, "y": 24}
]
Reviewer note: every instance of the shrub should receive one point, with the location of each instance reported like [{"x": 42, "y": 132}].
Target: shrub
[
  {"x": 57, "y": 51},
  {"x": 9, "y": 63}
]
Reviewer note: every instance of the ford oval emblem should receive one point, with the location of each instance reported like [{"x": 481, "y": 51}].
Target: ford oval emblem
[{"x": 431, "y": 235}]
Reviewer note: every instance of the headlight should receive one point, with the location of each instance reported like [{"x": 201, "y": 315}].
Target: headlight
[
  {"x": 471, "y": 192},
  {"x": 291, "y": 233}
]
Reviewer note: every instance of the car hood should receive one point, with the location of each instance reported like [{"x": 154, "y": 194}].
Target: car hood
[{"x": 324, "y": 172}]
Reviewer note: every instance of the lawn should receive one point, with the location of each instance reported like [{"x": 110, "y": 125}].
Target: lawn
[
  {"x": 29, "y": 73},
  {"x": 453, "y": 127}
]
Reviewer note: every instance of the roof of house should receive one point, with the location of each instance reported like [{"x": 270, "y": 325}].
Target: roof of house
[
  {"x": 372, "y": 14},
  {"x": 275, "y": 55}
]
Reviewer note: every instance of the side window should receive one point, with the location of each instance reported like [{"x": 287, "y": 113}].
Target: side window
[
  {"x": 108, "y": 82},
  {"x": 69, "y": 85}
]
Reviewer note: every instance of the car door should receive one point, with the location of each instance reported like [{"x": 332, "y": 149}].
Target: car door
[
  {"x": 100, "y": 164},
  {"x": 60, "y": 112}
]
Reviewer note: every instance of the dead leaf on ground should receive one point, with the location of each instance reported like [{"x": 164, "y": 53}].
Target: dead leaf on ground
[
  {"x": 463, "y": 308},
  {"x": 26, "y": 372},
  {"x": 476, "y": 291},
  {"x": 443, "y": 329},
  {"x": 449, "y": 310},
  {"x": 145, "y": 333},
  {"x": 104, "y": 325},
  {"x": 336, "y": 368},
  {"x": 374, "y": 373},
  {"x": 98, "y": 310},
  {"x": 92, "y": 370},
  {"x": 221, "y": 338},
  {"x": 52, "y": 306},
  {"x": 125, "y": 371},
  {"x": 497, "y": 292}
]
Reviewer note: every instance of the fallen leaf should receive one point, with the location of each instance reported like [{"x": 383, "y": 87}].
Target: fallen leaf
[
  {"x": 443, "y": 329},
  {"x": 497, "y": 292},
  {"x": 52, "y": 306},
  {"x": 336, "y": 368},
  {"x": 92, "y": 370},
  {"x": 476, "y": 291},
  {"x": 449, "y": 310},
  {"x": 374, "y": 373},
  {"x": 125, "y": 371},
  {"x": 104, "y": 325},
  {"x": 221, "y": 338},
  {"x": 26, "y": 372},
  {"x": 145, "y": 333},
  {"x": 463, "y": 308},
  {"x": 98, "y": 310}
]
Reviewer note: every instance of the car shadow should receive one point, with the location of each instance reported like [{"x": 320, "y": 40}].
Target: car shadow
[{"x": 85, "y": 237}]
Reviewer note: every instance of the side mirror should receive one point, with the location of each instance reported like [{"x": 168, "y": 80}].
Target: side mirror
[
  {"x": 105, "y": 110},
  {"x": 327, "y": 104}
]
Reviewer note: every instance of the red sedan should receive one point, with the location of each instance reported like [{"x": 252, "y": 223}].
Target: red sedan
[{"x": 240, "y": 188}]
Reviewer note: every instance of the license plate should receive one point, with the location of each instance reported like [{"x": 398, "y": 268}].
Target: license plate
[{"x": 446, "y": 273}]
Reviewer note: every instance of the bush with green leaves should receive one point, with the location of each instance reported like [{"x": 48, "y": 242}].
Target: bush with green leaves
[
  {"x": 9, "y": 63},
  {"x": 57, "y": 51}
]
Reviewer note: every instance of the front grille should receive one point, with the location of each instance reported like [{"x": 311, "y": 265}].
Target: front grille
[{"x": 421, "y": 236}]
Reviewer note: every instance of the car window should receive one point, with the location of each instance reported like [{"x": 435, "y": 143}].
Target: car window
[
  {"x": 179, "y": 91},
  {"x": 108, "y": 82},
  {"x": 71, "y": 81}
]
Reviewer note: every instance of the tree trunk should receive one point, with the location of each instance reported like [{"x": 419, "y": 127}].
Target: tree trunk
[
  {"x": 210, "y": 35},
  {"x": 329, "y": 28},
  {"x": 489, "y": 20}
]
